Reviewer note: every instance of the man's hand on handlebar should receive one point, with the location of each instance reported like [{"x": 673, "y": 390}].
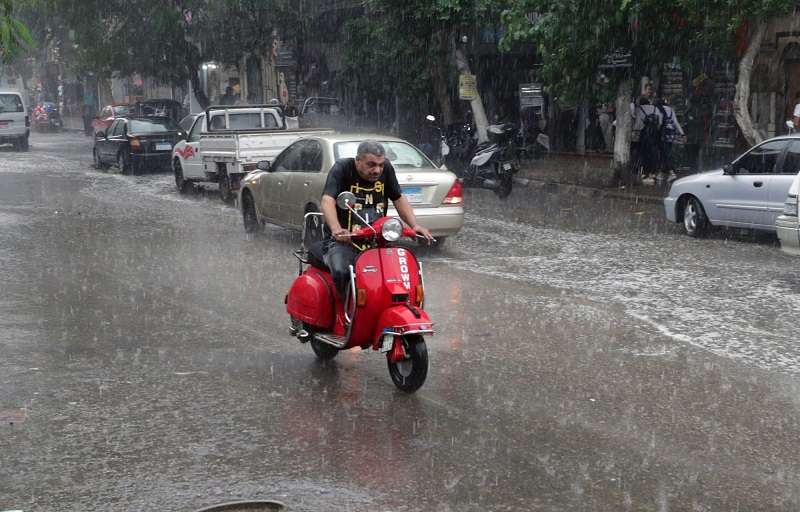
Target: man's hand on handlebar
[
  {"x": 341, "y": 235},
  {"x": 424, "y": 233}
]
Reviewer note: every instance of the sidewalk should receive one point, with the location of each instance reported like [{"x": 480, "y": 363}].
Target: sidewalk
[{"x": 589, "y": 174}]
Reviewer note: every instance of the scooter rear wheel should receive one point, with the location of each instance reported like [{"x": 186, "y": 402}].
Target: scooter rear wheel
[
  {"x": 323, "y": 351},
  {"x": 504, "y": 189},
  {"x": 409, "y": 374}
]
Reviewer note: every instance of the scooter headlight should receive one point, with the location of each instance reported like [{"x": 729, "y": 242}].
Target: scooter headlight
[{"x": 392, "y": 230}]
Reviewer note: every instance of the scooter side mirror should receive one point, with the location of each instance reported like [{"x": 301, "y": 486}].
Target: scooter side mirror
[{"x": 346, "y": 200}]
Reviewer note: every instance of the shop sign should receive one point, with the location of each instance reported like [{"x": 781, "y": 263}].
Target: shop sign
[
  {"x": 530, "y": 95},
  {"x": 467, "y": 89},
  {"x": 620, "y": 58}
]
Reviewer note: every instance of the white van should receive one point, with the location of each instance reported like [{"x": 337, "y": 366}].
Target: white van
[
  {"x": 787, "y": 224},
  {"x": 15, "y": 125}
]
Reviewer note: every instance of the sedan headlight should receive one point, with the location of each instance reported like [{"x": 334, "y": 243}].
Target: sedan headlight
[
  {"x": 392, "y": 230},
  {"x": 790, "y": 206}
]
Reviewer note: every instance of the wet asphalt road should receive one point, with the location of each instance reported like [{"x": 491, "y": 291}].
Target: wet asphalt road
[{"x": 588, "y": 357}]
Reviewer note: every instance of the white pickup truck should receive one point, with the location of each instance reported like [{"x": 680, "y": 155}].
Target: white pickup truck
[{"x": 231, "y": 145}]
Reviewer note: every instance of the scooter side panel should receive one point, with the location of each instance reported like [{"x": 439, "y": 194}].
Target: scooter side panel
[
  {"x": 369, "y": 277},
  {"x": 311, "y": 299}
]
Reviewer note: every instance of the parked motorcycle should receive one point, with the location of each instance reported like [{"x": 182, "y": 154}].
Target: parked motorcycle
[
  {"x": 384, "y": 305},
  {"x": 46, "y": 117},
  {"x": 489, "y": 165}
]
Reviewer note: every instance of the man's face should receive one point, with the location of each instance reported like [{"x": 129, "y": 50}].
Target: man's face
[
  {"x": 370, "y": 167},
  {"x": 648, "y": 90}
]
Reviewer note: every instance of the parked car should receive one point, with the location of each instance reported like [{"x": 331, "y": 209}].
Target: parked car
[
  {"x": 15, "y": 124},
  {"x": 108, "y": 114},
  {"x": 321, "y": 112},
  {"x": 293, "y": 183},
  {"x": 746, "y": 193},
  {"x": 788, "y": 223},
  {"x": 136, "y": 143},
  {"x": 159, "y": 108}
]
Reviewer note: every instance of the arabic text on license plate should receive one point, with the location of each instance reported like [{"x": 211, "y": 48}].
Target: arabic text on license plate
[
  {"x": 163, "y": 146},
  {"x": 413, "y": 194}
]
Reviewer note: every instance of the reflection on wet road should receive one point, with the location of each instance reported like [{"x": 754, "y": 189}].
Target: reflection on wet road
[{"x": 587, "y": 357}]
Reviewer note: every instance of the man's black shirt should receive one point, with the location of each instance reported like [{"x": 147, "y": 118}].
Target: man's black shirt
[{"x": 372, "y": 197}]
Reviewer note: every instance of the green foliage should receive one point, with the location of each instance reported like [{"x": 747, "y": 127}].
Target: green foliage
[
  {"x": 574, "y": 36},
  {"x": 15, "y": 37},
  {"x": 397, "y": 46}
]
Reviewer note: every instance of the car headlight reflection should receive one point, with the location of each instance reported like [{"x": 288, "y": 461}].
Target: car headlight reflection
[{"x": 392, "y": 230}]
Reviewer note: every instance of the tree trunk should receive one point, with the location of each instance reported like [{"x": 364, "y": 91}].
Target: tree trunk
[
  {"x": 624, "y": 123},
  {"x": 197, "y": 89},
  {"x": 437, "y": 67},
  {"x": 478, "y": 113},
  {"x": 742, "y": 99},
  {"x": 580, "y": 140}
]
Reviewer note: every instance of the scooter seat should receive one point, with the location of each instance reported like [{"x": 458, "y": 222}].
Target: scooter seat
[{"x": 316, "y": 255}]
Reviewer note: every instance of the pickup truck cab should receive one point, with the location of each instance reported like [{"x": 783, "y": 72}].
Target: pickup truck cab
[{"x": 230, "y": 145}]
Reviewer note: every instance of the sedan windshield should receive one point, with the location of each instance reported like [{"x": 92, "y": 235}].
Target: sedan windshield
[
  {"x": 401, "y": 154},
  {"x": 152, "y": 126}
]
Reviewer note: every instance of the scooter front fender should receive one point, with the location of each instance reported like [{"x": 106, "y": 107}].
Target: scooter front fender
[{"x": 401, "y": 320}]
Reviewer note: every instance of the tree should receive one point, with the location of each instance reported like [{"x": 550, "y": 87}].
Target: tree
[
  {"x": 575, "y": 36},
  {"x": 407, "y": 47},
  {"x": 15, "y": 37}
]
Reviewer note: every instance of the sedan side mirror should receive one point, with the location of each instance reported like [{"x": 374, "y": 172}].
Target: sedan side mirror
[
  {"x": 264, "y": 165},
  {"x": 100, "y": 134},
  {"x": 729, "y": 169}
]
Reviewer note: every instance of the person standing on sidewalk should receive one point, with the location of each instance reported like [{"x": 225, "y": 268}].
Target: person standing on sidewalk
[
  {"x": 88, "y": 110},
  {"x": 647, "y": 133},
  {"x": 671, "y": 131},
  {"x": 796, "y": 113}
]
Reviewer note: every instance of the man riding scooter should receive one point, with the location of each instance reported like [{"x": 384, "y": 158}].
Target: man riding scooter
[{"x": 371, "y": 178}]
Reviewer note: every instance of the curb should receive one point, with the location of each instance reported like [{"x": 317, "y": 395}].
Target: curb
[{"x": 582, "y": 190}]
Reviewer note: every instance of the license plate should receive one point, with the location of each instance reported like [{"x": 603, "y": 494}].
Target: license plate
[
  {"x": 163, "y": 146},
  {"x": 507, "y": 166},
  {"x": 413, "y": 194}
]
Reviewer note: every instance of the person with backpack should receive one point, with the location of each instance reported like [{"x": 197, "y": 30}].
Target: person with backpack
[
  {"x": 671, "y": 131},
  {"x": 647, "y": 133}
]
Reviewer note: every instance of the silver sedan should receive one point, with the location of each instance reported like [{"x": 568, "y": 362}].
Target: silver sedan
[
  {"x": 292, "y": 185},
  {"x": 748, "y": 193}
]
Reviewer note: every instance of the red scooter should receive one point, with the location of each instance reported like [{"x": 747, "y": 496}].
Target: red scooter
[{"x": 383, "y": 308}]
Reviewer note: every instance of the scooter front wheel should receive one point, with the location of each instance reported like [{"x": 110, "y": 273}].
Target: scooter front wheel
[{"x": 409, "y": 374}]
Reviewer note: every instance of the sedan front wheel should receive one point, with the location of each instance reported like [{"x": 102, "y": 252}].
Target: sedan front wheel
[{"x": 695, "y": 222}]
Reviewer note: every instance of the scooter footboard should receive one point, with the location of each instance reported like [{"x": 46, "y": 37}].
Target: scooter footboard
[{"x": 401, "y": 320}]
